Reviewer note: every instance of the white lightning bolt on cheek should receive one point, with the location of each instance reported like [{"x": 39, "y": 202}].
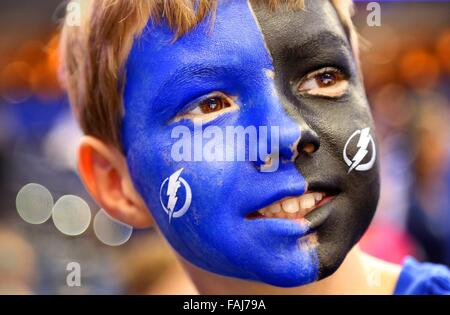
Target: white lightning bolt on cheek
[
  {"x": 358, "y": 158},
  {"x": 172, "y": 188},
  {"x": 364, "y": 138},
  {"x": 363, "y": 142}
]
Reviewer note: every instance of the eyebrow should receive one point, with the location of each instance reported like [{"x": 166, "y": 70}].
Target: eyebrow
[
  {"x": 202, "y": 71},
  {"x": 187, "y": 75},
  {"x": 331, "y": 36},
  {"x": 319, "y": 49},
  {"x": 318, "y": 41}
]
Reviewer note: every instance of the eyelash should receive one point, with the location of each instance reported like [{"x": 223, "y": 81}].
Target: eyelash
[
  {"x": 220, "y": 99},
  {"x": 340, "y": 83}
]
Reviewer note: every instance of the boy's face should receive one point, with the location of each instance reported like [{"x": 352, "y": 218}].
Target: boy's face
[{"x": 291, "y": 72}]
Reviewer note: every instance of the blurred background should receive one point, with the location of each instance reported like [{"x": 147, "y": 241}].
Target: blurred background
[{"x": 406, "y": 65}]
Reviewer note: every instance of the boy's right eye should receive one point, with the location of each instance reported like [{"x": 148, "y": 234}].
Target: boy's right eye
[
  {"x": 211, "y": 105},
  {"x": 209, "y": 108}
]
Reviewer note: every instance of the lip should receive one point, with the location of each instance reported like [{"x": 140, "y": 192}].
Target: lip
[
  {"x": 328, "y": 188},
  {"x": 276, "y": 196},
  {"x": 284, "y": 228},
  {"x": 319, "y": 215},
  {"x": 316, "y": 217}
]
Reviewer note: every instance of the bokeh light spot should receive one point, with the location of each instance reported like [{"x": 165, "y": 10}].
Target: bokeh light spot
[
  {"x": 71, "y": 215},
  {"x": 110, "y": 231},
  {"x": 34, "y": 203}
]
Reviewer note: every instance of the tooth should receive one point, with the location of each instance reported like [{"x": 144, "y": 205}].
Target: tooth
[
  {"x": 275, "y": 208},
  {"x": 306, "y": 201},
  {"x": 303, "y": 210},
  {"x": 290, "y": 205},
  {"x": 318, "y": 197}
]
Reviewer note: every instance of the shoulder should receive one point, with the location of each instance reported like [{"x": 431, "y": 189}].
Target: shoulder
[{"x": 423, "y": 278}]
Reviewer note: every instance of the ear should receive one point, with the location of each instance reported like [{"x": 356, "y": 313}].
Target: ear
[{"x": 105, "y": 174}]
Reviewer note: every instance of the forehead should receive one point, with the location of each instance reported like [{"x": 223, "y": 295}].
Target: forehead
[
  {"x": 233, "y": 43},
  {"x": 286, "y": 28},
  {"x": 233, "y": 40}
]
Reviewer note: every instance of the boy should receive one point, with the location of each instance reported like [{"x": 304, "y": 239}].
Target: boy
[{"x": 241, "y": 128}]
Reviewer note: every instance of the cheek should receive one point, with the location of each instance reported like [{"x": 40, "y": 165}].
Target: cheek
[
  {"x": 335, "y": 121},
  {"x": 162, "y": 181}
]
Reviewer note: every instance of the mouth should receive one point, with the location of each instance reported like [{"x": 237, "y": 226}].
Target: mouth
[{"x": 297, "y": 208}]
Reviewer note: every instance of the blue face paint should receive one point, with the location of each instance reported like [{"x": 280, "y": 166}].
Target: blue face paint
[{"x": 163, "y": 78}]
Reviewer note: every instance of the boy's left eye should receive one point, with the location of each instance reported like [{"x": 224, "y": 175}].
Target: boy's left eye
[{"x": 328, "y": 81}]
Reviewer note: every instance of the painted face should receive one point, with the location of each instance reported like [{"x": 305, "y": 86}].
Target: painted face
[{"x": 286, "y": 78}]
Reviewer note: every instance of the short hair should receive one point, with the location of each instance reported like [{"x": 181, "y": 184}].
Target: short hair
[{"x": 94, "y": 53}]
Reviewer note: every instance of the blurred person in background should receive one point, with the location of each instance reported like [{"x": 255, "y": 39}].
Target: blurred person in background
[
  {"x": 154, "y": 270},
  {"x": 18, "y": 270},
  {"x": 429, "y": 215},
  {"x": 407, "y": 77}
]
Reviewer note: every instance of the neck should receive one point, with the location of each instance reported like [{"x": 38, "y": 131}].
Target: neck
[{"x": 358, "y": 274}]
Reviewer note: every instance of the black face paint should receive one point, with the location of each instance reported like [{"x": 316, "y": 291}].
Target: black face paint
[{"x": 300, "y": 42}]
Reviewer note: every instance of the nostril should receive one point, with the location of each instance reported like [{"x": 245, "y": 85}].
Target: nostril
[
  {"x": 270, "y": 163},
  {"x": 309, "y": 142},
  {"x": 309, "y": 148}
]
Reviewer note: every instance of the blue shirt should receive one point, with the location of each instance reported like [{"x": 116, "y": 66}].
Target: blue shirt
[{"x": 423, "y": 278}]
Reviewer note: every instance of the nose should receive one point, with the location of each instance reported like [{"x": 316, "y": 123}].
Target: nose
[
  {"x": 287, "y": 138},
  {"x": 309, "y": 141},
  {"x": 280, "y": 141},
  {"x": 288, "y": 135}
]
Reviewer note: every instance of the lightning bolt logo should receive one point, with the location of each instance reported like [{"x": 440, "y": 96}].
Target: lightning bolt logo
[
  {"x": 174, "y": 183},
  {"x": 365, "y": 139},
  {"x": 172, "y": 188}
]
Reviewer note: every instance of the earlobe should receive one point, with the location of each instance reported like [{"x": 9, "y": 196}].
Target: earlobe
[{"x": 105, "y": 174}]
